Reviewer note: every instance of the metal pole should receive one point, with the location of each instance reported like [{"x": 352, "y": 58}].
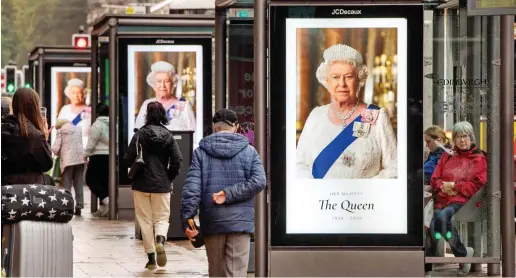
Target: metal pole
[
  {"x": 506, "y": 144},
  {"x": 220, "y": 58},
  {"x": 260, "y": 129},
  {"x": 113, "y": 103},
  {"x": 41, "y": 70},
  {"x": 94, "y": 99},
  {"x": 474, "y": 67},
  {"x": 493, "y": 144},
  {"x": 438, "y": 67}
]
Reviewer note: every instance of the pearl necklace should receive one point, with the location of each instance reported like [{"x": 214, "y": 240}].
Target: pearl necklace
[{"x": 344, "y": 117}]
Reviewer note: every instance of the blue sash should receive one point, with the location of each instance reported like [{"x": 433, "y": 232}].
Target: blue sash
[
  {"x": 78, "y": 118},
  {"x": 331, "y": 153}
]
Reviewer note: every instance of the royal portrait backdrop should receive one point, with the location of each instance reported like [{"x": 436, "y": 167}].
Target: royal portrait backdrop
[
  {"x": 346, "y": 205},
  {"x": 187, "y": 61},
  {"x": 379, "y": 49},
  {"x": 59, "y": 80}
]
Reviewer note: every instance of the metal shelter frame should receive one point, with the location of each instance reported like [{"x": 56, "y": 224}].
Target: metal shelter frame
[
  {"x": 222, "y": 17},
  {"x": 43, "y": 54}
]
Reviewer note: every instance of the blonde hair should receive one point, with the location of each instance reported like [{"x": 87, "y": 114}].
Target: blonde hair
[
  {"x": 435, "y": 132},
  {"x": 61, "y": 122}
]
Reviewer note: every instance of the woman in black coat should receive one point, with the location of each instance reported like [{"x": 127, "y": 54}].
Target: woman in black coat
[
  {"x": 152, "y": 184},
  {"x": 25, "y": 151}
]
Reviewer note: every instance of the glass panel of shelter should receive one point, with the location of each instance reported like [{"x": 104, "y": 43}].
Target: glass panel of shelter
[{"x": 458, "y": 83}]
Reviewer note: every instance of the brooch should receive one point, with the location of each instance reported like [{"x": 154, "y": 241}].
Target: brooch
[
  {"x": 369, "y": 116},
  {"x": 348, "y": 159},
  {"x": 361, "y": 129}
]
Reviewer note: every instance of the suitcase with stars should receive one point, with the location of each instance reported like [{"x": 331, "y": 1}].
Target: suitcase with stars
[
  {"x": 37, "y": 249},
  {"x": 36, "y": 202}
]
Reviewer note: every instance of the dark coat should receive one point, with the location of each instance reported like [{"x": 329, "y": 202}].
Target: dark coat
[
  {"x": 162, "y": 159},
  {"x": 431, "y": 163},
  {"x": 224, "y": 161},
  {"x": 24, "y": 159}
]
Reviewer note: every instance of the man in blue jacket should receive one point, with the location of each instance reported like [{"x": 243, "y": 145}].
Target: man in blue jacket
[{"x": 225, "y": 176}]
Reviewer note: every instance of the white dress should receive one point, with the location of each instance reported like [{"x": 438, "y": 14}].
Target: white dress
[
  {"x": 85, "y": 123},
  {"x": 374, "y": 156},
  {"x": 185, "y": 120}
]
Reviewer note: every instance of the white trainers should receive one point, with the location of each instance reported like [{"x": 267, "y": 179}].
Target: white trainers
[
  {"x": 102, "y": 212},
  {"x": 465, "y": 268}
]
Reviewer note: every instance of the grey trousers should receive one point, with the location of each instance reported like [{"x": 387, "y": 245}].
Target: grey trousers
[
  {"x": 74, "y": 175},
  {"x": 228, "y": 254}
]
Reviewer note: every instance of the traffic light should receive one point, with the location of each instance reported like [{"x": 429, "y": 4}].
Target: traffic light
[
  {"x": 3, "y": 82},
  {"x": 26, "y": 77},
  {"x": 10, "y": 79},
  {"x": 81, "y": 40}
]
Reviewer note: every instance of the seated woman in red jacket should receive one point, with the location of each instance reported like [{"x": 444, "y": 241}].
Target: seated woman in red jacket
[{"x": 456, "y": 179}]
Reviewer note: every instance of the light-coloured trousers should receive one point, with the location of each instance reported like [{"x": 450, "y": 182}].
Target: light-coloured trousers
[
  {"x": 73, "y": 175},
  {"x": 228, "y": 254},
  {"x": 152, "y": 213}
]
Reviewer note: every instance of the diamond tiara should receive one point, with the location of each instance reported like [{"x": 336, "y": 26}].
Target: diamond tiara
[{"x": 342, "y": 52}]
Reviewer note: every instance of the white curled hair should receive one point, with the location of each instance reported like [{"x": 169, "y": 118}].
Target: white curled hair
[
  {"x": 74, "y": 82},
  {"x": 342, "y": 53},
  {"x": 162, "y": 66}
]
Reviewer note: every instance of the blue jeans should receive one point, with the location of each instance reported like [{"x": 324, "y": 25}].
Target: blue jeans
[{"x": 442, "y": 225}]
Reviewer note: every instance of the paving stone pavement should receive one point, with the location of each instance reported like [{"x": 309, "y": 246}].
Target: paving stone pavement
[{"x": 105, "y": 248}]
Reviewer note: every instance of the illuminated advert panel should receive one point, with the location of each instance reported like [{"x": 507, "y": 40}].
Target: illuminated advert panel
[
  {"x": 70, "y": 98},
  {"x": 173, "y": 71},
  {"x": 345, "y": 141}
]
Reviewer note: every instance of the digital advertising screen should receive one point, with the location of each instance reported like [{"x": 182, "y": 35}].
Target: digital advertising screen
[
  {"x": 341, "y": 80},
  {"x": 176, "y": 72},
  {"x": 172, "y": 75},
  {"x": 70, "y": 98}
]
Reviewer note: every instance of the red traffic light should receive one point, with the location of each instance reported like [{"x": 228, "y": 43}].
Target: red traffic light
[
  {"x": 81, "y": 40},
  {"x": 81, "y": 43}
]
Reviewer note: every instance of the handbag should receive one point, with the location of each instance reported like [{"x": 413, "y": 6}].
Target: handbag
[
  {"x": 138, "y": 162},
  {"x": 199, "y": 240}
]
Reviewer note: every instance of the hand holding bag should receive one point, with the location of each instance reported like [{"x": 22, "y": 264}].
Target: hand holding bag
[
  {"x": 138, "y": 163},
  {"x": 198, "y": 239}
]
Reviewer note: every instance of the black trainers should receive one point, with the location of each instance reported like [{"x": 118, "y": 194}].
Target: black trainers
[
  {"x": 160, "y": 250},
  {"x": 78, "y": 212},
  {"x": 151, "y": 264}
]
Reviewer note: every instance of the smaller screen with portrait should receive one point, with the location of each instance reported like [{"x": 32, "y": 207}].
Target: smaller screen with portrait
[
  {"x": 70, "y": 98},
  {"x": 347, "y": 79},
  {"x": 171, "y": 75}
]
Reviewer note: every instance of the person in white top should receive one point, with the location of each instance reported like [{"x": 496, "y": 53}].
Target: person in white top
[
  {"x": 163, "y": 80},
  {"x": 97, "y": 150},
  {"x": 77, "y": 112},
  {"x": 346, "y": 139}
]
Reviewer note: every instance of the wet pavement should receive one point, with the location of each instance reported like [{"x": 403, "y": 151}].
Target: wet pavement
[
  {"x": 104, "y": 248},
  {"x": 109, "y": 248}
]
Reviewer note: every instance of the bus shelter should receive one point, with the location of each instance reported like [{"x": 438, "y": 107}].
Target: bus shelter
[
  {"x": 470, "y": 59},
  {"x": 134, "y": 44},
  {"x": 471, "y": 88}
]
